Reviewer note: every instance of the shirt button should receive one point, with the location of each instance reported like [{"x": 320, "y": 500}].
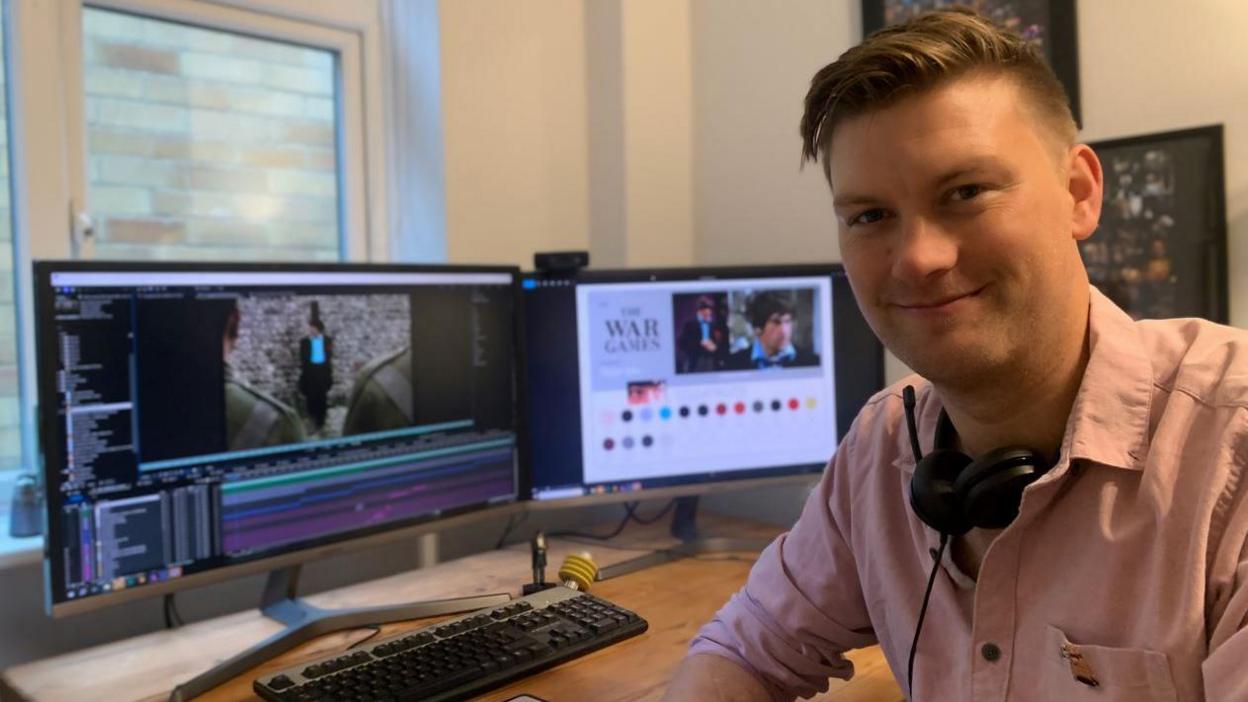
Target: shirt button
[{"x": 990, "y": 651}]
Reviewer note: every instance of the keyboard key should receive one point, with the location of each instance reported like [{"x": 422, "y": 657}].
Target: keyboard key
[{"x": 435, "y": 686}]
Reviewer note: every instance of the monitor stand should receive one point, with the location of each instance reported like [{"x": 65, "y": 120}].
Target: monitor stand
[
  {"x": 685, "y": 528},
  {"x": 305, "y": 622}
]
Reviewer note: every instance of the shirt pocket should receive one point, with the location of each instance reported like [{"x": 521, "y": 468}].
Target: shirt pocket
[{"x": 1120, "y": 673}]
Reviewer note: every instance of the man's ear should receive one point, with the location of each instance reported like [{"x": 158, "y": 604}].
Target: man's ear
[{"x": 1085, "y": 183}]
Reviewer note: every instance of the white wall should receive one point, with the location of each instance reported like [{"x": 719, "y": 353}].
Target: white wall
[
  {"x": 658, "y": 123},
  {"x": 752, "y": 66},
  {"x": 527, "y": 169},
  {"x": 514, "y": 113},
  {"x": 1150, "y": 66}
]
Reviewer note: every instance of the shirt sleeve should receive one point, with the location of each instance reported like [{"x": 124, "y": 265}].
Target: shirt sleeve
[
  {"x": 1224, "y": 674},
  {"x": 802, "y": 605},
  {"x": 1225, "y": 677}
]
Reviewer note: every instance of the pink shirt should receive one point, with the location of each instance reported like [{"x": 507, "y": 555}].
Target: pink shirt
[{"x": 1134, "y": 547}]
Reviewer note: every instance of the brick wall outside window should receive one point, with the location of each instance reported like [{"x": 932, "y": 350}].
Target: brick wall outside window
[{"x": 208, "y": 145}]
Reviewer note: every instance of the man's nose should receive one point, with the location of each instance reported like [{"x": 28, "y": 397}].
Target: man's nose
[{"x": 924, "y": 249}]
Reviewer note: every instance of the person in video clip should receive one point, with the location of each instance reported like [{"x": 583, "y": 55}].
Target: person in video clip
[
  {"x": 1059, "y": 493},
  {"x": 381, "y": 396},
  {"x": 316, "y": 370},
  {"x": 703, "y": 340},
  {"x": 770, "y": 314},
  {"x": 253, "y": 418}
]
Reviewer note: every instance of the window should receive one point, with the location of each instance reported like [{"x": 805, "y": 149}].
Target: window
[{"x": 207, "y": 144}]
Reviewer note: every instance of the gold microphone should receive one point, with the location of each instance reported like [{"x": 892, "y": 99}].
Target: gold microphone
[{"x": 578, "y": 571}]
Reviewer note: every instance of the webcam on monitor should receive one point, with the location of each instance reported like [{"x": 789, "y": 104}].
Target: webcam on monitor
[{"x": 560, "y": 261}]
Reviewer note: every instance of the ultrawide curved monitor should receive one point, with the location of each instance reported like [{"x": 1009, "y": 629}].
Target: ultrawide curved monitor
[
  {"x": 202, "y": 421},
  {"x": 664, "y": 382}
]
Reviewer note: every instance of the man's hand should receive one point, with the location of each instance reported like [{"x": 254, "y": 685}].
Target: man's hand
[
  {"x": 710, "y": 677},
  {"x": 709, "y": 345}
]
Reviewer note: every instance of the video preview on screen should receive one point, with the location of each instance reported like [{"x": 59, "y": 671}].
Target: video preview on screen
[
  {"x": 691, "y": 376},
  {"x": 207, "y": 418}
]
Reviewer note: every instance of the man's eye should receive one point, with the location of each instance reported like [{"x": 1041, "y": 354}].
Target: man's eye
[
  {"x": 966, "y": 192},
  {"x": 868, "y": 217}
]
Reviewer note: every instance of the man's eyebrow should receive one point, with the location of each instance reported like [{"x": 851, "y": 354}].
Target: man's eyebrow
[
  {"x": 971, "y": 167},
  {"x": 974, "y": 166},
  {"x": 848, "y": 199}
]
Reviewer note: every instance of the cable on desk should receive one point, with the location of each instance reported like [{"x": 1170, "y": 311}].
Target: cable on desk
[
  {"x": 651, "y": 520},
  {"x": 512, "y": 522},
  {"x": 629, "y": 515},
  {"x": 173, "y": 619}
]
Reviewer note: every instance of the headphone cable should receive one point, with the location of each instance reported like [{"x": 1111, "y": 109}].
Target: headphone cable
[
  {"x": 907, "y": 400},
  {"x": 940, "y": 552}
]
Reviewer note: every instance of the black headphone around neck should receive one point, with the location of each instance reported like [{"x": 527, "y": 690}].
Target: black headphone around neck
[{"x": 954, "y": 493}]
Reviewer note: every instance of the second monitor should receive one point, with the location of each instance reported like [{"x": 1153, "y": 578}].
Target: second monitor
[{"x": 677, "y": 379}]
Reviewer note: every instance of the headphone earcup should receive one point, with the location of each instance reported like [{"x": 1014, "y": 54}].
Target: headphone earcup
[
  {"x": 933, "y": 496},
  {"x": 990, "y": 490}
]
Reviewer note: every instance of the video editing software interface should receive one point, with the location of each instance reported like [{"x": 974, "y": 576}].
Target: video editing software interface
[
  {"x": 194, "y": 419},
  {"x": 648, "y": 379}
]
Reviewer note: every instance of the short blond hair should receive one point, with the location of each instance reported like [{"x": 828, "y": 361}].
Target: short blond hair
[{"x": 924, "y": 53}]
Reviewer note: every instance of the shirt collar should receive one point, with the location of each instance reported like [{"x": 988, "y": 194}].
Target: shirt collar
[
  {"x": 788, "y": 352},
  {"x": 1109, "y": 419}
]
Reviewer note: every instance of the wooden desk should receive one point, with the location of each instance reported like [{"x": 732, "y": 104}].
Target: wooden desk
[{"x": 676, "y": 598}]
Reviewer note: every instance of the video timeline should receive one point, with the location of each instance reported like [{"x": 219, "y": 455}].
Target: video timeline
[{"x": 261, "y": 514}]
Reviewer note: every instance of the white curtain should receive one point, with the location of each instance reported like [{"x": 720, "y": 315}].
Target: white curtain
[{"x": 415, "y": 154}]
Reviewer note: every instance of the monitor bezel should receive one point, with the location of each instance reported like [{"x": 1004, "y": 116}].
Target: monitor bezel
[
  {"x": 45, "y": 374},
  {"x": 698, "y": 483}
]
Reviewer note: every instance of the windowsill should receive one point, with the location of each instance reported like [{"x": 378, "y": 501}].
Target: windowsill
[{"x": 19, "y": 552}]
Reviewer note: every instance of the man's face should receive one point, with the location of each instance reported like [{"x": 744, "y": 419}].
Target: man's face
[
  {"x": 954, "y": 210},
  {"x": 776, "y": 333},
  {"x": 704, "y": 314}
]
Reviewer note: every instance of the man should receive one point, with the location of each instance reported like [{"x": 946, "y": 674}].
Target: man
[
  {"x": 253, "y": 418},
  {"x": 960, "y": 197},
  {"x": 316, "y": 370},
  {"x": 703, "y": 340},
  {"x": 771, "y": 318}
]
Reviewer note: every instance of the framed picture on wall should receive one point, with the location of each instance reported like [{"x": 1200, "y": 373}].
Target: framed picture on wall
[
  {"x": 1160, "y": 249},
  {"x": 1050, "y": 24}
]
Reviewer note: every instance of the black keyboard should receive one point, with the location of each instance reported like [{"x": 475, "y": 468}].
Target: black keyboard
[{"x": 461, "y": 657}]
